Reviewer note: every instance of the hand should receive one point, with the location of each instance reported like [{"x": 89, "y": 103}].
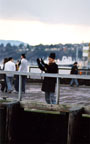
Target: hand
[
  {"x": 38, "y": 61},
  {"x": 42, "y": 61}
]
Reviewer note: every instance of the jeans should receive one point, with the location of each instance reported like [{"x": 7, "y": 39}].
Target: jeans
[
  {"x": 50, "y": 97},
  {"x": 9, "y": 81},
  {"x": 74, "y": 81},
  {"x": 23, "y": 83}
]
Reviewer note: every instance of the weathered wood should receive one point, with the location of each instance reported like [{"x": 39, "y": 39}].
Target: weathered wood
[
  {"x": 6, "y": 111},
  {"x": 2, "y": 124},
  {"x": 61, "y": 107},
  {"x": 74, "y": 112},
  {"x": 42, "y": 106},
  {"x": 26, "y": 104},
  {"x": 10, "y": 108},
  {"x": 87, "y": 109},
  {"x": 73, "y": 125}
]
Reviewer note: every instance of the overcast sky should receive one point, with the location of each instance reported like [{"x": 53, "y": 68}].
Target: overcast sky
[{"x": 50, "y": 13}]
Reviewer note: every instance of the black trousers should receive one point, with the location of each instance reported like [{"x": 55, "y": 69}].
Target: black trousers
[{"x": 17, "y": 83}]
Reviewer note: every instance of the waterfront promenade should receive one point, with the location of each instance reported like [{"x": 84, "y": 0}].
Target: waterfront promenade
[{"x": 68, "y": 95}]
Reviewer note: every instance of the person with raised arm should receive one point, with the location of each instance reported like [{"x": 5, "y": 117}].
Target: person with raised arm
[{"x": 49, "y": 83}]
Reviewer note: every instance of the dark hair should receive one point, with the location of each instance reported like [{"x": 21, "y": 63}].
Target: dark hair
[
  {"x": 5, "y": 60},
  {"x": 23, "y": 55},
  {"x": 75, "y": 63},
  {"x": 10, "y": 58}
]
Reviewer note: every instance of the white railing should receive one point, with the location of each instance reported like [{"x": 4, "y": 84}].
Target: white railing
[
  {"x": 57, "y": 76},
  {"x": 61, "y": 69}
]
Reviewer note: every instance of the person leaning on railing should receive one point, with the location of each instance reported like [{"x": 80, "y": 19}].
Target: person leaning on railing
[{"x": 48, "y": 85}]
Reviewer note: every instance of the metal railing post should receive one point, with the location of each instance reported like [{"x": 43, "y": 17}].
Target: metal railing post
[
  {"x": 20, "y": 86},
  {"x": 29, "y": 71},
  {"x": 58, "y": 91}
]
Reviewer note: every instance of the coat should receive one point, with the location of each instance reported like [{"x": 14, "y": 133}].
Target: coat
[
  {"x": 48, "y": 82},
  {"x": 74, "y": 70}
]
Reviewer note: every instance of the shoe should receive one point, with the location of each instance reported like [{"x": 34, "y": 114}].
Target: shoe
[
  {"x": 10, "y": 91},
  {"x": 14, "y": 91}
]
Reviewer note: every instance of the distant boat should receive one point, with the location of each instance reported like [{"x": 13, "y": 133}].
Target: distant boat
[{"x": 66, "y": 61}]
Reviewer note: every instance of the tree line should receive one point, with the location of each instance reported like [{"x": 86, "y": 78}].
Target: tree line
[{"x": 41, "y": 51}]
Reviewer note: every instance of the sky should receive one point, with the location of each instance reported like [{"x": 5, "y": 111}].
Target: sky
[{"x": 45, "y": 21}]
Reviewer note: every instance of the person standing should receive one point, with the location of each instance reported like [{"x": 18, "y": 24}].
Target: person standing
[
  {"x": 74, "y": 70},
  {"x": 16, "y": 81},
  {"x": 4, "y": 84},
  {"x": 9, "y": 66},
  {"x": 23, "y": 68},
  {"x": 48, "y": 85}
]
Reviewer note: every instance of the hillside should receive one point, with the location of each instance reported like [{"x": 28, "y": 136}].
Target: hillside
[
  {"x": 33, "y": 52},
  {"x": 12, "y": 42}
]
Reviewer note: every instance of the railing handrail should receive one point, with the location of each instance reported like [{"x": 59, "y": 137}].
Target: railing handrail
[
  {"x": 63, "y": 68},
  {"x": 57, "y": 76},
  {"x": 46, "y": 74}
]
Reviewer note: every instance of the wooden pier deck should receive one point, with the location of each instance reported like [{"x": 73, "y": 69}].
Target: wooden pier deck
[{"x": 68, "y": 95}]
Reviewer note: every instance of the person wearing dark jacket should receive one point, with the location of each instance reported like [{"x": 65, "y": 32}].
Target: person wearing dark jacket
[
  {"x": 49, "y": 83},
  {"x": 4, "y": 84},
  {"x": 74, "y": 70}
]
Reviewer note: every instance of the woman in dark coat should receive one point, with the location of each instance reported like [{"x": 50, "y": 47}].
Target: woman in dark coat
[{"x": 48, "y": 85}]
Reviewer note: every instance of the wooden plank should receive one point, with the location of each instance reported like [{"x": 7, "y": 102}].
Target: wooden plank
[
  {"x": 43, "y": 106},
  {"x": 73, "y": 125},
  {"x": 87, "y": 109},
  {"x": 26, "y": 104}
]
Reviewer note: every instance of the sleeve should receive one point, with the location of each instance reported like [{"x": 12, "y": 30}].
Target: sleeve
[
  {"x": 14, "y": 67},
  {"x": 21, "y": 66},
  {"x": 52, "y": 69},
  {"x": 5, "y": 67},
  {"x": 41, "y": 65}
]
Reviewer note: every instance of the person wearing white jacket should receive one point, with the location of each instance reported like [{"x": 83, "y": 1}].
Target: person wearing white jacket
[
  {"x": 9, "y": 66},
  {"x": 23, "y": 68}
]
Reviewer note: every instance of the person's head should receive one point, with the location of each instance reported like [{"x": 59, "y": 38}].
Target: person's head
[
  {"x": 5, "y": 60},
  {"x": 10, "y": 59},
  {"x": 23, "y": 56},
  {"x": 75, "y": 63},
  {"x": 51, "y": 58}
]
